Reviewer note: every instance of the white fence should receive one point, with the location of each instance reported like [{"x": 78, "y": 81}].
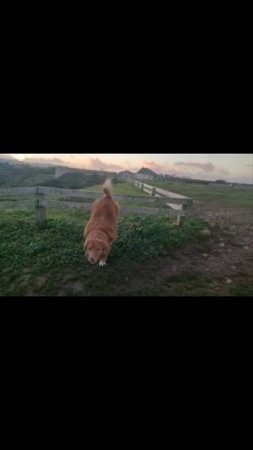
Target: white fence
[
  {"x": 178, "y": 203},
  {"x": 42, "y": 198}
]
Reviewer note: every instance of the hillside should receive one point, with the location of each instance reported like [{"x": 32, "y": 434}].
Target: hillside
[
  {"x": 76, "y": 180},
  {"x": 27, "y": 175},
  {"x": 23, "y": 175}
]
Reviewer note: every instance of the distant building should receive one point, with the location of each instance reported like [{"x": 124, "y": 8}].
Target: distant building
[
  {"x": 220, "y": 182},
  {"x": 144, "y": 176},
  {"x": 122, "y": 176}
]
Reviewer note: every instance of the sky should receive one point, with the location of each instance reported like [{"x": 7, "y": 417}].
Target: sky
[{"x": 230, "y": 167}]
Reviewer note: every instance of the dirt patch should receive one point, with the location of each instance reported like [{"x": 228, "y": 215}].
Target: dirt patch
[
  {"x": 219, "y": 263},
  {"x": 230, "y": 246},
  {"x": 216, "y": 267}
]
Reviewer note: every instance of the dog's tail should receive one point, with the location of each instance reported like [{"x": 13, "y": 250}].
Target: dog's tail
[{"x": 107, "y": 188}]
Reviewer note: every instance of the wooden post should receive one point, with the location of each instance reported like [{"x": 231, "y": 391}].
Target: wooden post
[
  {"x": 153, "y": 192},
  {"x": 142, "y": 187},
  {"x": 40, "y": 211},
  {"x": 181, "y": 219}
]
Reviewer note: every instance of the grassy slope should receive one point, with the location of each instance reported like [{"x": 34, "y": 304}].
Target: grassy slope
[
  {"x": 222, "y": 196},
  {"x": 11, "y": 176}
]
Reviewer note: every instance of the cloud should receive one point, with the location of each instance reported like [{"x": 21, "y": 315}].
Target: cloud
[
  {"x": 97, "y": 164},
  {"x": 200, "y": 168},
  {"x": 43, "y": 160},
  {"x": 187, "y": 169},
  {"x": 84, "y": 162},
  {"x": 6, "y": 156},
  {"x": 207, "y": 167},
  {"x": 222, "y": 170},
  {"x": 156, "y": 167}
]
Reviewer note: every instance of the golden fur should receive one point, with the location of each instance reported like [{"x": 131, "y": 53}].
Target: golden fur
[{"x": 101, "y": 230}]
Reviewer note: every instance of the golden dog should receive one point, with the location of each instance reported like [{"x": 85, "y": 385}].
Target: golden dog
[{"x": 101, "y": 230}]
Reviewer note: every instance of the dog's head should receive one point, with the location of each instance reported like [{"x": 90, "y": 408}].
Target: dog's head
[{"x": 94, "y": 250}]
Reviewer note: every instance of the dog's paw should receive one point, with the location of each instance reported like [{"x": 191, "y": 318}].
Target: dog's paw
[{"x": 102, "y": 263}]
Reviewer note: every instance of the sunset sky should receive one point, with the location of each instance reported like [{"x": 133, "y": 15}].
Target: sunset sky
[{"x": 231, "y": 167}]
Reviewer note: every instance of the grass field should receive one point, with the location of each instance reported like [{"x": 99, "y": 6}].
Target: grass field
[
  {"x": 26, "y": 251},
  {"x": 222, "y": 196},
  {"x": 125, "y": 189},
  {"x": 118, "y": 188},
  {"x": 147, "y": 259}
]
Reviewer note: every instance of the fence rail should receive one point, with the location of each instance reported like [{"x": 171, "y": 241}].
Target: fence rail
[
  {"x": 16, "y": 204},
  {"x": 178, "y": 203},
  {"x": 18, "y": 191},
  {"x": 41, "y": 199}
]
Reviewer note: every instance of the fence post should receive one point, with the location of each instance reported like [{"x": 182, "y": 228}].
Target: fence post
[
  {"x": 141, "y": 187},
  {"x": 153, "y": 192},
  {"x": 181, "y": 219},
  {"x": 40, "y": 211}
]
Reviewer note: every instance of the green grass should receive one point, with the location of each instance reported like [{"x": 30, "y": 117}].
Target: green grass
[
  {"x": 58, "y": 248},
  {"x": 119, "y": 188},
  {"x": 60, "y": 243},
  {"x": 17, "y": 197},
  {"x": 125, "y": 189},
  {"x": 222, "y": 196},
  {"x": 51, "y": 261}
]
